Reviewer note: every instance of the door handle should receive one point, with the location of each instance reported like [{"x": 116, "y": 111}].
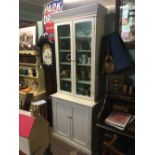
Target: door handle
[{"x": 70, "y": 117}]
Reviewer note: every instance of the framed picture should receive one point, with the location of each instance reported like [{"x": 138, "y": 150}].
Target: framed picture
[
  {"x": 125, "y": 21},
  {"x": 27, "y": 37}
]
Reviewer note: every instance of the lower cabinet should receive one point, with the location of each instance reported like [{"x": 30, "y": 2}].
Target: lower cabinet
[{"x": 72, "y": 123}]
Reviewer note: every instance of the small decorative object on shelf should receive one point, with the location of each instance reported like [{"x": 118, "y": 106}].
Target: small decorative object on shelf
[
  {"x": 119, "y": 85},
  {"x": 65, "y": 73},
  {"x": 68, "y": 57},
  {"x": 125, "y": 10}
]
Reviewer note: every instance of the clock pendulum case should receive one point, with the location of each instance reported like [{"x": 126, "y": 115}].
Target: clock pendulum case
[{"x": 47, "y": 51}]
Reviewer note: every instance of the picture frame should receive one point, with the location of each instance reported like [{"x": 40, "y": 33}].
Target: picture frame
[
  {"x": 27, "y": 37},
  {"x": 125, "y": 21}
]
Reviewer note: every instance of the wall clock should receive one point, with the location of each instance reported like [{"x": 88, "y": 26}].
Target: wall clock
[
  {"x": 47, "y": 54},
  {"x": 47, "y": 50}
]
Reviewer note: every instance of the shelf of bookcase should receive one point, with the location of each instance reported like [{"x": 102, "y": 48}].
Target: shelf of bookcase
[
  {"x": 107, "y": 108},
  {"x": 28, "y": 64},
  {"x": 125, "y": 133},
  {"x": 30, "y": 77},
  {"x": 122, "y": 97}
]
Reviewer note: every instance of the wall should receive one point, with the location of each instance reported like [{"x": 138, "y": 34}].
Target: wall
[{"x": 40, "y": 28}]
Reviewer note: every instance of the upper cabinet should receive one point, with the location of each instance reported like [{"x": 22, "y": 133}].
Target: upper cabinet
[{"x": 78, "y": 35}]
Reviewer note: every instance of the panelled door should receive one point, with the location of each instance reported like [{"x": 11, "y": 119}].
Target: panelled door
[
  {"x": 81, "y": 125},
  {"x": 62, "y": 115}
]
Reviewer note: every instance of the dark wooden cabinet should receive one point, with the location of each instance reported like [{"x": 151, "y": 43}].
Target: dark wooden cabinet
[{"x": 126, "y": 137}]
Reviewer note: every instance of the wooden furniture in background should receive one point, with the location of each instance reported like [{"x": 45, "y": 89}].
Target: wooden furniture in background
[
  {"x": 126, "y": 104},
  {"x": 27, "y": 102},
  {"x": 40, "y": 107},
  {"x": 47, "y": 56},
  {"x": 31, "y": 76},
  {"x": 108, "y": 147},
  {"x": 47, "y": 53},
  {"x": 126, "y": 137}
]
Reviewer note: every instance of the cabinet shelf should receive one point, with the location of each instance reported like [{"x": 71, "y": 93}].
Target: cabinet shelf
[
  {"x": 35, "y": 93},
  {"x": 83, "y": 51},
  {"x": 65, "y": 79},
  {"x": 31, "y": 52},
  {"x": 123, "y": 97},
  {"x": 84, "y": 82},
  {"x": 83, "y": 38},
  {"x": 65, "y": 63},
  {"x": 65, "y": 51},
  {"x": 86, "y": 65},
  {"x": 64, "y": 37},
  {"x": 27, "y": 64},
  {"x": 30, "y": 77}
]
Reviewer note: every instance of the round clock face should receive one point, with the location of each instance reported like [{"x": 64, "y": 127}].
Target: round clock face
[{"x": 47, "y": 54}]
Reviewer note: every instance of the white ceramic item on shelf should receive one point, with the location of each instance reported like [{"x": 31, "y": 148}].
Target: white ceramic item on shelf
[
  {"x": 84, "y": 58},
  {"x": 89, "y": 60},
  {"x": 68, "y": 57}
]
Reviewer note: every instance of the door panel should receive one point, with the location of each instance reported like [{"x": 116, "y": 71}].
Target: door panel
[
  {"x": 62, "y": 119},
  {"x": 81, "y": 125}
]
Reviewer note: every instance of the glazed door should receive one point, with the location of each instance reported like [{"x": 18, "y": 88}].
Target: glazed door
[
  {"x": 64, "y": 64},
  {"x": 83, "y": 46}
]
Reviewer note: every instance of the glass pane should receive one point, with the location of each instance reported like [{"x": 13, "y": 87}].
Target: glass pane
[
  {"x": 64, "y": 57},
  {"x": 83, "y": 58}
]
